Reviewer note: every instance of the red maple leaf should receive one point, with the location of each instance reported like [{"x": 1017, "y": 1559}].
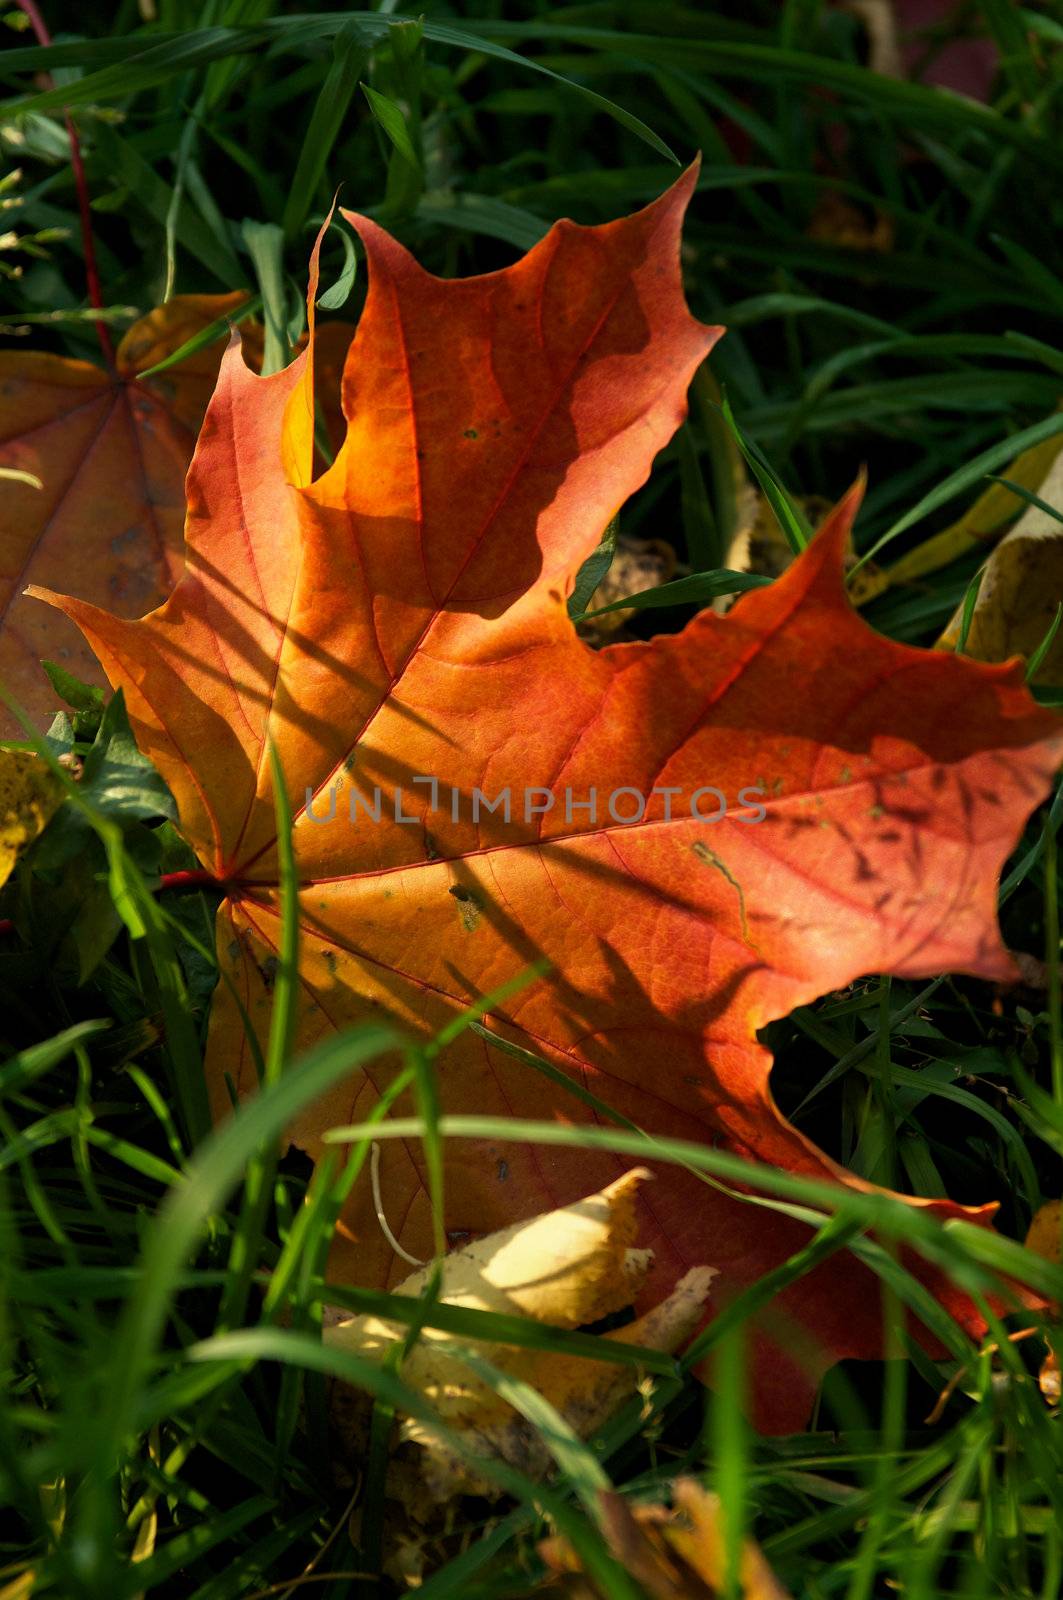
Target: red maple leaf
[{"x": 402, "y": 621}]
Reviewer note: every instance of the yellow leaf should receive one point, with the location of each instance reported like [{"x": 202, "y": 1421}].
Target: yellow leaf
[
  {"x": 1045, "y": 1238},
  {"x": 29, "y": 795},
  {"x": 585, "y": 1393},
  {"x": 1045, "y": 1235},
  {"x": 678, "y": 1554},
  {"x": 1022, "y": 586},
  {"x": 981, "y": 523},
  {"x": 697, "y": 1536},
  {"x": 20, "y": 1588},
  {"x": 566, "y": 1267}
]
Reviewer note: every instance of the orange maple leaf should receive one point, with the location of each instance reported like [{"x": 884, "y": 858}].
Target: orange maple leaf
[
  {"x": 111, "y": 453},
  {"x": 402, "y": 621}
]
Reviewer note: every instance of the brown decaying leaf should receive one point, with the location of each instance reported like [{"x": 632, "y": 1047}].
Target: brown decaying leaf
[
  {"x": 947, "y": 43},
  {"x": 1048, "y": 1379},
  {"x": 677, "y": 1554},
  {"x": 837, "y": 221},
  {"x": 1043, "y": 1237},
  {"x": 758, "y": 543},
  {"x": 111, "y": 454}
]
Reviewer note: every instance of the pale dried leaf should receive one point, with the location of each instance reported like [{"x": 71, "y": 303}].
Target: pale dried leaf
[
  {"x": 585, "y": 1393},
  {"x": 567, "y": 1267}
]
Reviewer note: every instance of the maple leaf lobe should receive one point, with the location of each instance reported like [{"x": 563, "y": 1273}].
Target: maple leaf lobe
[{"x": 111, "y": 452}]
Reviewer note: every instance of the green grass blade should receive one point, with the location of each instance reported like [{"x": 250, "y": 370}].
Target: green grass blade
[
  {"x": 694, "y": 590},
  {"x": 966, "y": 477},
  {"x": 326, "y": 119},
  {"x": 220, "y": 328},
  {"x": 265, "y": 243}
]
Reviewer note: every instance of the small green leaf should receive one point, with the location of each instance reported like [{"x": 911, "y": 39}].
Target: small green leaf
[
  {"x": 117, "y": 779},
  {"x": 71, "y": 690},
  {"x": 393, "y": 123},
  {"x": 349, "y": 53},
  {"x": 593, "y": 571},
  {"x": 336, "y": 298}
]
